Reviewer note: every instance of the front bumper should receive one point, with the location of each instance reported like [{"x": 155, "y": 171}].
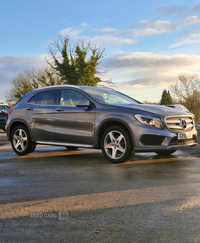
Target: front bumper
[{"x": 150, "y": 139}]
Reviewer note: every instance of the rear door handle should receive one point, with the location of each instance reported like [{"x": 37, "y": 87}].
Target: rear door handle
[
  {"x": 59, "y": 109},
  {"x": 29, "y": 108}
]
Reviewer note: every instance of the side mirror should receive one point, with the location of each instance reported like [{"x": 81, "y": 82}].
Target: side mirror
[{"x": 83, "y": 104}]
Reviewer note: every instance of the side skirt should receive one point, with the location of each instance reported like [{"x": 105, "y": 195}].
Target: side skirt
[{"x": 64, "y": 144}]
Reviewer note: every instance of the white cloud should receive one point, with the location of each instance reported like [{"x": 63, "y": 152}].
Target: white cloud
[
  {"x": 35, "y": 61},
  {"x": 135, "y": 86},
  {"x": 195, "y": 35},
  {"x": 192, "y": 20},
  {"x": 132, "y": 32},
  {"x": 108, "y": 30},
  {"x": 143, "y": 71},
  {"x": 113, "y": 36},
  {"x": 85, "y": 25},
  {"x": 148, "y": 32},
  {"x": 74, "y": 34},
  {"x": 111, "y": 40},
  {"x": 193, "y": 38},
  {"x": 185, "y": 41},
  {"x": 144, "y": 21},
  {"x": 150, "y": 60},
  {"x": 160, "y": 24}
]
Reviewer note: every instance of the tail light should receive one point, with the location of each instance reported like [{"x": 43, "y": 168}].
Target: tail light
[{"x": 9, "y": 112}]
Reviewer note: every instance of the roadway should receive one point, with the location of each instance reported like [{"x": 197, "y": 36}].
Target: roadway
[{"x": 56, "y": 195}]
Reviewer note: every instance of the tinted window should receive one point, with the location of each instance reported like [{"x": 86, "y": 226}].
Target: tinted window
[
  {"x": 46, "y": 97},
  {"x": 71, "y": 98},
  {"x": 33, "y": 99}
]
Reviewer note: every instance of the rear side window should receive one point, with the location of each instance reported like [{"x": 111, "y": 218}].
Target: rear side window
[
  {"x": 46, "y": 97},
  {"x": 33, "y": 99}
]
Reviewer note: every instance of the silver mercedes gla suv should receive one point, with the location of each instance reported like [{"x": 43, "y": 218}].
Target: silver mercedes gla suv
[{"x": 95, "y": 117}]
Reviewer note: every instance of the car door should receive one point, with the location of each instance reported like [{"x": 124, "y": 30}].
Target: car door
[
  {"x": 39, "y": 114},
  {"x": 74, "y": 125}
]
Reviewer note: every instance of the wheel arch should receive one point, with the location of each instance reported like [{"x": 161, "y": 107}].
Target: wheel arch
[
  {"x": 113, "y": 122},
  {"x": 17, "y": 123}
]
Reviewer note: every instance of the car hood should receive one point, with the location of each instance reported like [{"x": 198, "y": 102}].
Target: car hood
[{"x": 157, "y": 110}]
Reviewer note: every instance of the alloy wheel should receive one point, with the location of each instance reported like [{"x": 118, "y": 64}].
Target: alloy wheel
[
  {"x": 20, "y": 140},
  {"x": 115, "y": 144}
]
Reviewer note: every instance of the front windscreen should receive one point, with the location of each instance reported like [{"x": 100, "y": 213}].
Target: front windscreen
[{"x": 109, "y": 96}]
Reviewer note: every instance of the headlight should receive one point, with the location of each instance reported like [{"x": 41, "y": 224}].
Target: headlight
[{"x": 151, "y": 121}]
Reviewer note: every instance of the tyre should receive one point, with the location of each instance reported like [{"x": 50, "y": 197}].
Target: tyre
[
  {"x": 166, "y": 152},
  {"x": 21, "y": 141},
  {"x": 116, "y": 145}
]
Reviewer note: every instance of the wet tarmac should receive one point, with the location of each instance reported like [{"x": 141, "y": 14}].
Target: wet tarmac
[{"x": 56, "y": 195}]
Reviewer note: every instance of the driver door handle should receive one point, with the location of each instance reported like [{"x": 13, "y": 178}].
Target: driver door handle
[{"x": 59, "y": 109}]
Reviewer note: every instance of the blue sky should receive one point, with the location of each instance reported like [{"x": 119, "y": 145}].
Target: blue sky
[{"x": 148, "y": 43}]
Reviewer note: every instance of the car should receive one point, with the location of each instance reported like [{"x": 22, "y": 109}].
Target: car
[
  {"x": 4, "y": 108},
  {"x": 3, "y": 119},
  {"x": 198, "y": 125},
  {"x": 97, "y": 117}
]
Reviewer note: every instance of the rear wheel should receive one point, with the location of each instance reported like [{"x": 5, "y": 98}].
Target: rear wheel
[
  {"x": 21, "y": 141},
  {"x": 116, "y": 145},
  {"x": 166, "y": 152}
]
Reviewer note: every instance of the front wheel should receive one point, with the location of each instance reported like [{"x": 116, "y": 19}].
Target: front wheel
[
  {"x": 21, "y": 141},
  {"x": 116, "y": 145}
]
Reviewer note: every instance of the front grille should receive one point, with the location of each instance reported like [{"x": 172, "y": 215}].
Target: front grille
[{"x": 179, "y": 123}]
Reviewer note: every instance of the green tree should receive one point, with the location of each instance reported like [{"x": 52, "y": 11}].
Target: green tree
[
  {"x": 166, "y": 98},
  {"x": 77, "y": 65},
  {"x": 28, "y": 81}
]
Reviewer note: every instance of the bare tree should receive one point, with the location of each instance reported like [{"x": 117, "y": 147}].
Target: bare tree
[
  {"x": 186, "y": 91},
  {"x": 27, "y": 81}
]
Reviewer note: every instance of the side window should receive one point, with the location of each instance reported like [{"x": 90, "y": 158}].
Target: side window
[
  {"x": 33, "y": 99},
  {"x": 46, "y": 97},
  {"x": 71, "y": 97}
]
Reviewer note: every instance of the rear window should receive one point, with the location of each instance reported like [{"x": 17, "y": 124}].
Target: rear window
[{"x": 44, "y": 98}]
